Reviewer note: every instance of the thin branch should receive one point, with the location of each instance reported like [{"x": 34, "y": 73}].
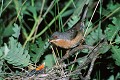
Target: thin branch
[
  {"x": 91, "y": 19},
  {"x": 87, "y": 77},
  {"x": 71, "y": 52}
]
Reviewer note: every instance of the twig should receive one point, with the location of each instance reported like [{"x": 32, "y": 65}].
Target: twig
[
  {"x": 6, "y": 6},
  {"x": 71, "y": 53},
  {"x": 92, "y": 56},
  {"x": 61, "y": 12},
  {"x": 80, "y": 47},
  {"x": 19, "y": 11},
  {"x": 108, "y": 15},
  {"x": 87, "y": 77},
  {"x": 91, "y": 19},
  {"x": 39, "y": 20},
  {"x": 39, "y": 17},
  {"x": 55, "y": 57}
]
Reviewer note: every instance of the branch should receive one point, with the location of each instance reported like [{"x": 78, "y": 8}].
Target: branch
[{"x": 71, "y": 52}]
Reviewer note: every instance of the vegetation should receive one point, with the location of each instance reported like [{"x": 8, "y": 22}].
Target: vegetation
[{"x": 27, "y": 25}]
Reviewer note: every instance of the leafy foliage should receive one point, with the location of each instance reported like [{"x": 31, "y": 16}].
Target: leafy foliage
[
  {"x": 14, "y": 53},
  {"x": 105, "y": 47},
  {"x": 17, "y": 55},
  {"x": 1, "y": 64},
  {"x": 28, "y": 43},
  {"x": 74, "y": 19},
  {"x": 94, "y": 37},
  {"x": 117, "y": 40},
  {"x": 112, "y": 30},
  {"x": 16, "y": 30},
  {"x": 116, "y": 54},
  {"x": 49, "y": 60},
  {"x": 37, "y": 49},
  {"x": 110, "y": 7}
]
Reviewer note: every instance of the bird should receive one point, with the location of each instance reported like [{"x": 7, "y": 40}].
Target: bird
[{"x": 70, "y": 38}]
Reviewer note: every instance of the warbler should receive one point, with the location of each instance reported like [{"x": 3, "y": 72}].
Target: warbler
[{"x": 72, "y": 37}]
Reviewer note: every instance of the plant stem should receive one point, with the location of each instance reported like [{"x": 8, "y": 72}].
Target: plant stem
[{"x": 39, "y": 34}]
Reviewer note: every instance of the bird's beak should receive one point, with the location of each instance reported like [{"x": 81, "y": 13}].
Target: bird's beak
[{"x": 51, "y": 41}]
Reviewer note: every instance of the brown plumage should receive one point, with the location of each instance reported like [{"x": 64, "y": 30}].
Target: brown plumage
[
  {"x": 68, "y": 39},
  {"x": 72, "y": 37}
]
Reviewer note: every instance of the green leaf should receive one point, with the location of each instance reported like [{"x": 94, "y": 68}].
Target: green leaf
[
  {"x": 117, "y": 77},
  {"x": 1, "y": 64},
  {"x": 85, "y": 50},
  {"x": 79, "y": 6},
  {"x": 105, "y": 47},
  {"x": 1, "y": 53},
  {"x": 49, "y": 60},
  {"x": 116, "y": 54},
  {"x": 74, "y": 19},
  {"x": 4, "y": 51},
  {"x": 81, "y": 60},
  {"x": 67, "y": 13},
  {"x": 112, "y": 30},
  {"x": 1, "y": 70},
  {"x": 111, "y": 6},
  {"x": 8, "y": 31},
  {"x": 111, "y": 77},
  {"x": 32, "y": 9},
  {"x": 117, "y": 39},
  {"x": 116, "y": 22},
  {"x": 94, "y": 37},
  {"x": 1, "y": 78},
  {"x": 16, "y": 30},
  {"x": 38, "y": 49},
  {"x": 17, "y": 55}
]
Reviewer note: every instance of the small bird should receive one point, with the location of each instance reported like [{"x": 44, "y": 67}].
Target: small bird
[
  {"x": 69, "y": 39},
  {"x": 72, "y": 37}
]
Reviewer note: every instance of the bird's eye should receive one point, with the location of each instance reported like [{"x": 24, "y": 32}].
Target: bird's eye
[{"x": 55, "y": 37}]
